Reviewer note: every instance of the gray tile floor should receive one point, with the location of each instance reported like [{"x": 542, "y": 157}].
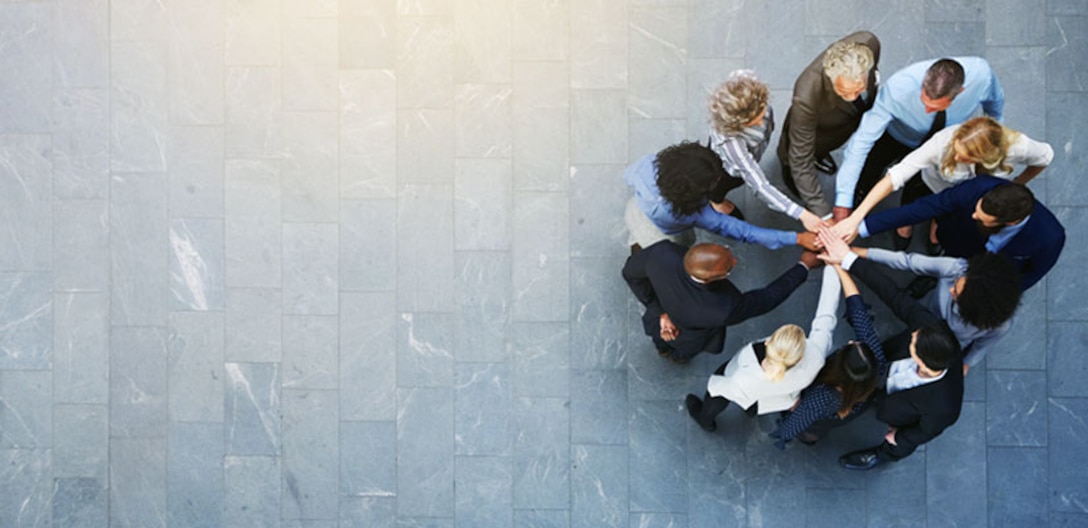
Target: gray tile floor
[{"x": 318, "y": 263}]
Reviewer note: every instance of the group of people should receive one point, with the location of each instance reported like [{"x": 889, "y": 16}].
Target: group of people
[{"x": 987, "y": 240}]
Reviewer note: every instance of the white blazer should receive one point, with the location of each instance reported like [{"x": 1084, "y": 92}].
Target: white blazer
[{"x": 744, "y": 381}]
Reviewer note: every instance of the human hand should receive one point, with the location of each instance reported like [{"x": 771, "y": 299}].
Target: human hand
[
  {"x": 890, "y": 436},
  {"x": 808, "y": 241},
  {"x": 811, "y": 260},
  {"x": 669, "y": 331},
  {"x": 724, "y": 207},
  {"x": 847, "y": 228},
  {"x": 838, "y": 213},
  {"x": 835, "y": 247},
  {"x": 812, "y": 222}
]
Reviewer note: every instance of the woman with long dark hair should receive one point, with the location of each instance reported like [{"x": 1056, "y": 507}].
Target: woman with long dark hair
[{"x": 846, "y": 381}]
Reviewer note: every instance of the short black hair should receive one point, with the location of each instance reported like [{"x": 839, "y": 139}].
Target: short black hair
[
  {"x": 944, "y": 78},
  {"x": 936, "y": 347},
  {"x": 1010, "y": 202},
  {"x": 991, "y": 292},
  {"x": 686, "y": 173}
]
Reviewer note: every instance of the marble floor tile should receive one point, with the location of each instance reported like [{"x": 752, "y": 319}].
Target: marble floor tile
[{"x": 317, "y": 263}]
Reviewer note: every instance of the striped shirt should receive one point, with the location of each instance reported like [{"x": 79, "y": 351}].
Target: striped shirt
[{"x": 740, "y": 155}]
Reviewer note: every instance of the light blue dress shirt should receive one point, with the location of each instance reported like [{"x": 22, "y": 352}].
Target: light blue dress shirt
[
  {"x": 898, "y": 109},
  {"x": 641, "y": 176},
  {"x": 975, "y": 341},
  {"x": 1000, "y": 238}
]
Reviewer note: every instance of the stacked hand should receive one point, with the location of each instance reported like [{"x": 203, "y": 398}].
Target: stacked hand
[
  {"x": 835, "y": 247},
  {"x": 847, "y": 228},
  {"x": 812, "y": 222}
]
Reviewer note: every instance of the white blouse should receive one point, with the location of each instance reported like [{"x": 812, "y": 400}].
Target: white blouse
[
  {"x": 927, "y": 160},
  {"x": 744, "y": 381}
]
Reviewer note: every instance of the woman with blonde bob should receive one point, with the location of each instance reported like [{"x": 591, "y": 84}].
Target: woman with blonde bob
[
  {"x": 768, "y": 376},
  {"x": 978, "y": 146},
  {"x": 741, "y": 123}
]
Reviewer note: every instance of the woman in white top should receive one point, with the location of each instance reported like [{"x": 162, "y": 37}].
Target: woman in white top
[
  {"x": 741, "y": 123},
  {"x": 774, "y": 381},
  {"x": 978, "y": 146}
]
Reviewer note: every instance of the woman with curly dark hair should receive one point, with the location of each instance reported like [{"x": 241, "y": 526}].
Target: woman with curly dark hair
[{"x": 676, "y": 190}]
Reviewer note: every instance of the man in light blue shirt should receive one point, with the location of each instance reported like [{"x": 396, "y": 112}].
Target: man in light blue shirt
[
  {"x": 675, "y": 190},
  {"x": 914, "y": 103}
]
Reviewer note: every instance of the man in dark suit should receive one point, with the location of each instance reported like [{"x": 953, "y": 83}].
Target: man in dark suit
[
  {"x": 985, "y": 214},
  {"x": 828, "y": 99},
  {"x": 689, "y": 301},
  {"x": 921, "y": 393}
]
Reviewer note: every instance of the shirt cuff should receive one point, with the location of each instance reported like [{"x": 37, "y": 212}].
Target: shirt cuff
[
  {"x": 844, "y": 200},
  {"x": 849, "y": 260},
  {"x": 863, "y": 230}
]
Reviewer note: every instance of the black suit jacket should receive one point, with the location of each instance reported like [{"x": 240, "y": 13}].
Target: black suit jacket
[
  {"x": 921, "y": 413},
  {"x": 700, "y": 311},
  {"x": 1034, "y": 250}
]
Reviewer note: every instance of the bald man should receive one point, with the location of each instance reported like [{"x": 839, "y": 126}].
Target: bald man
[{"x": 689, "y": 300}]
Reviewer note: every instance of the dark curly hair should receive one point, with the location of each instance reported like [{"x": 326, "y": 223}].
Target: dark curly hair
[
  {"x": 686, "y": 174},
  {"x": 991, "y": 292}
]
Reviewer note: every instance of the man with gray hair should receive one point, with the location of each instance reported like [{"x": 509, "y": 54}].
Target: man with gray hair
[
  {"x": 913, "y": 104},
  {"x": 828, "y": 100}
]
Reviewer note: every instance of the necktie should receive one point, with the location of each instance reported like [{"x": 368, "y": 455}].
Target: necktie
[{"x": 938, "y": 124}]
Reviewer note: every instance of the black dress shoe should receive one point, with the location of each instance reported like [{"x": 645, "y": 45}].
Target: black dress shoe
[
  {"x": 695, "y": 408},
  {"x": 861, "y": 460},
  {"x": 826, "y": 165}
]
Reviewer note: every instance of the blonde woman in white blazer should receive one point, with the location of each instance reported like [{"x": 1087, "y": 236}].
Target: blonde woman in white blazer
[{"x": 768, "y": 375}]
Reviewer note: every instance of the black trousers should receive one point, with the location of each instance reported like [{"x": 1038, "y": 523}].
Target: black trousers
[
  {"x": 885, "y": 151},
  {"x": 714, "y": 405}
]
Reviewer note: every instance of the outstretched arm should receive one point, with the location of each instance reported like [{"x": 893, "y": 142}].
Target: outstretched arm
[
  {"x": 824, "y": 322},
  {"x": 709, "y": 219},
  {"x": 739, "y": 162},
  {"x": 758, "y": 302}
]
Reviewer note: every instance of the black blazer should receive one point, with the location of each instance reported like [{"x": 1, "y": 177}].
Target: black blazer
[
  {"x": 1034, "y": 250},
  {"x": 921, "y": 413},
  {"x": 700, "y": 311}
]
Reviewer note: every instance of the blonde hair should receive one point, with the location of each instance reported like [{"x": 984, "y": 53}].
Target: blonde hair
[
  {"x": 849, "y": 60},
  {"x": 784, "y": 349},
  {"x": 986, "y": 142},
  {"x": 738, "y": 101}
]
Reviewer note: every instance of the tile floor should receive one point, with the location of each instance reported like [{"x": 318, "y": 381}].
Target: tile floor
[{"x": 315, "y": 263}]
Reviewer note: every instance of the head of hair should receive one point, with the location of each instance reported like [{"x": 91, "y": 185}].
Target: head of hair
[
  {"x": 738, "y": 101},
  {"x": 944, "y": 78},
  {"x": 936, "y": 347},
  {"x": 1008, "y": 203},
  {"x": 849, "y": 60},
  {"x": 991, "y": 291},
  {"x": 686, "y": 173},
  {"x": 784, "y": 349},
  {"x": 853, "y": 370},
  {"x": 704, "y": 261},
  {"x": 985, "y": 141}
]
